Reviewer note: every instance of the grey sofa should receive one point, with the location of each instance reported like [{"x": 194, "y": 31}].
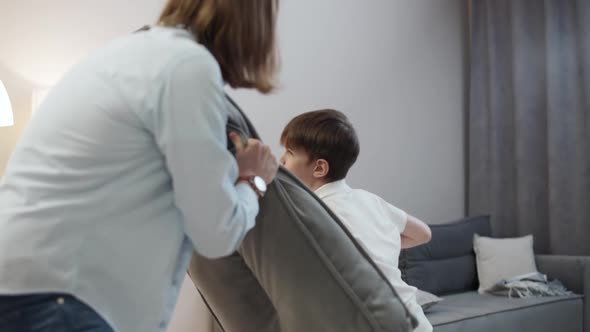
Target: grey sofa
[{"x": 446, "y": 267}]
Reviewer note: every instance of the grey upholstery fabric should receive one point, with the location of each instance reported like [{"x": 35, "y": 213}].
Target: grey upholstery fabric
[
  {"x": 472, "y": 312},
  {"x": 574, "y": 272},
  {"x": 446, "y": 264},
  {"x": 298, "y": 270},
  {"x": 426, "y": 300},
  {"x": 229, "y": 274}
]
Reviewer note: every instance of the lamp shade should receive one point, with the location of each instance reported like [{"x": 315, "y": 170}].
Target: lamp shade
[{"x": 6, "y": 117}]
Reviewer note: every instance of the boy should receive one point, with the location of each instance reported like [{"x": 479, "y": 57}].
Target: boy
[{"x": 320, "y": 147}]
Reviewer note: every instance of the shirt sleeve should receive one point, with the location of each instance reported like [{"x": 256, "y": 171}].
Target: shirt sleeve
[
  {"x": 396, "y": 215},
  {"x": 189, "y": 126}
]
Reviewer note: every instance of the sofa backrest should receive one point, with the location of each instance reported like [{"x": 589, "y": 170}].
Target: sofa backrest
[
  {"x": 446, "y": 264},
  {"x": 298, "y": 270}
]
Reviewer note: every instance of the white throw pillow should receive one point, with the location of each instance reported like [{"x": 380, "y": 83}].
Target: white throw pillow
[{"x": 499, "y": 259}]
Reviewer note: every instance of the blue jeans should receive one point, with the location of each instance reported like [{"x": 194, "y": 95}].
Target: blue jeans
[{"x": 48, "y": 313}]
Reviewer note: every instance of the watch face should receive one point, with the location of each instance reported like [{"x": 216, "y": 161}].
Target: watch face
[{"x": 260, "y": 184}]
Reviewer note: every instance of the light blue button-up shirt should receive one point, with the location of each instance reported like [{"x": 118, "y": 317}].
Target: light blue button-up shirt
[{"x": 121, "y": 171}]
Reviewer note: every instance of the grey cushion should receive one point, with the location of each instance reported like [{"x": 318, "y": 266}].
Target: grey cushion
[
  {"x": 482, "y": 313},
  {"x": 446, "y": 264},
  {"x": 298, "y": 270},
  {"x": 426, "y": 300}
]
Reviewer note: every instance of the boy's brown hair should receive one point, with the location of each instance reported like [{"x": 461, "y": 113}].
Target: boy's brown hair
[
  {"x": 239, "y": 34},
  {"x": 324, "y": 134}
]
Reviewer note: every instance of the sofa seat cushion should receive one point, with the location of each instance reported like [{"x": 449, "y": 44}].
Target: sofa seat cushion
[{"x": 475, "y": 312}]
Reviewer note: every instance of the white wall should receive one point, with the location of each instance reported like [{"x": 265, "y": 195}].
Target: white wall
[{"x": 396, "y": 67}]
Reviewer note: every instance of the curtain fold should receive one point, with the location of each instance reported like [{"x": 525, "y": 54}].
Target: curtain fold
[{"x": 528, "y": 120}]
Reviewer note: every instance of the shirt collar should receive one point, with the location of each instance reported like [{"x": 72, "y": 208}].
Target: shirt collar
[{"x": 332, "y": 188}]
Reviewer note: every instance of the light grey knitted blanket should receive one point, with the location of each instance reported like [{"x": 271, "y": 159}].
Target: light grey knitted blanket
[{"x": 529, "y": 285}]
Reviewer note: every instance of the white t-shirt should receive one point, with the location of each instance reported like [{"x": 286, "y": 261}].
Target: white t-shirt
[{"x": 376, "y": 225}]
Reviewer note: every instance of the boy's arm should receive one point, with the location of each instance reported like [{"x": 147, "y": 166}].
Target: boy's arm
[{"x": 415, "y": 233}]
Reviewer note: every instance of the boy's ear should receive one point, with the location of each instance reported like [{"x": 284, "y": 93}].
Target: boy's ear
[{"x": 321, "y": 168}]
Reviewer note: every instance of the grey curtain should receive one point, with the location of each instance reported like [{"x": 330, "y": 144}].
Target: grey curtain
[{"x": 528, "y": 120}]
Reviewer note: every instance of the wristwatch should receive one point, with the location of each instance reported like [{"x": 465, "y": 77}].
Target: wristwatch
[{"x": 257, "y": 184}]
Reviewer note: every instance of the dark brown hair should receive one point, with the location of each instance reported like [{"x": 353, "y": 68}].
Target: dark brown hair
[
  {"x": 324, "y": 134},
  {"x": 240, "y": 35}
]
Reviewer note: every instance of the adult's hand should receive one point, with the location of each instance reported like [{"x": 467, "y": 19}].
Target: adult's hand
[{"x": 255, "y": 159}]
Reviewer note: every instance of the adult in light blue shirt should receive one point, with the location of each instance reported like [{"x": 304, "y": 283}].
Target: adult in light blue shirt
[{"x": 124, "y": 169}]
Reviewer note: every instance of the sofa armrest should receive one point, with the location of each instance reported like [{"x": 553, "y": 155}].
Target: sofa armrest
[{"x": 573, "y": 272}]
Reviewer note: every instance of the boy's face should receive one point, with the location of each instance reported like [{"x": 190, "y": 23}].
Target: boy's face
[{"x": 298, "y": 163}]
